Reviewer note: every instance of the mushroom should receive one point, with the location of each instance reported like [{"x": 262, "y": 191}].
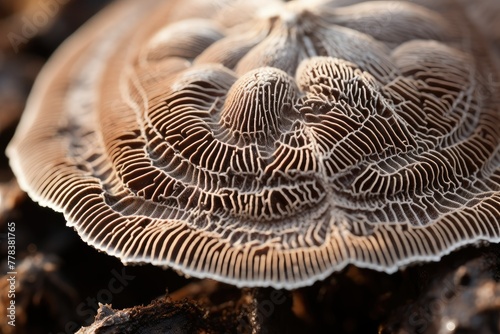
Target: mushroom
[{"x": 273, "y": 151}]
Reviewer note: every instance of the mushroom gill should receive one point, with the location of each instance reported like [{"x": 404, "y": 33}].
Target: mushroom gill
[{"x": 272, "y": 146}]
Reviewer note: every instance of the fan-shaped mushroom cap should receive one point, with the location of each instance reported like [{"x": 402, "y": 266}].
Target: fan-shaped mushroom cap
[{"x": 271, "y": 148}]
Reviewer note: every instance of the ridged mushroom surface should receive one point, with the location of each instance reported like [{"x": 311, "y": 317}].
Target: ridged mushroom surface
[{"x": 268, "y": 143}]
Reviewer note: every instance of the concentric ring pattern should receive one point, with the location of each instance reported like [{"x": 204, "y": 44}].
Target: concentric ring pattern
[{"x": 267, "y": 143}]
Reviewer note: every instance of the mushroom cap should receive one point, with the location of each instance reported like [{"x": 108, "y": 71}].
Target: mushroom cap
[{"x": 269, "y": 144}]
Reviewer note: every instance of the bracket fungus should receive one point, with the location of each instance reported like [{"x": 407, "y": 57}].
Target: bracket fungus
[{"x": 269, "y": 143}]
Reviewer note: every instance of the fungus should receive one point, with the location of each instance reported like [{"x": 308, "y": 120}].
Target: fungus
[{"x": 271, "y": 151}]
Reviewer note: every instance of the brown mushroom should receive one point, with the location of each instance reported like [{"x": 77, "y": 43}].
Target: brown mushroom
[{"x": 274, "y": 151}]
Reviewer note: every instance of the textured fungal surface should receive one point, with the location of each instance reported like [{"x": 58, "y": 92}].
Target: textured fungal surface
[{"x": 269, "y": 143}]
